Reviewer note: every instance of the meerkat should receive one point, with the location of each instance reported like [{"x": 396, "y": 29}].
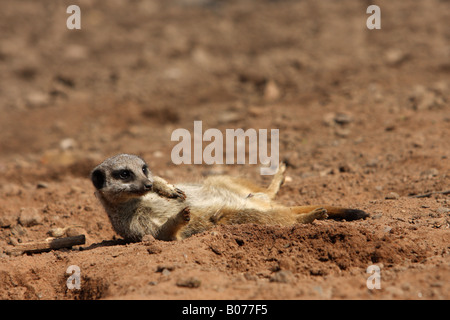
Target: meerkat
[{"x": 139, "y": 203}]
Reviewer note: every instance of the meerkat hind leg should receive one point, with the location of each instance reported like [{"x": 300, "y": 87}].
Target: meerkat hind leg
[
  {"x": 248, "y": 188},
  {"x": 309, "y": 217},
  {"x": 277, "y": 181}
]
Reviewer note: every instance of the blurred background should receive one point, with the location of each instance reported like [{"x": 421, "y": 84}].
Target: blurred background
[{"x": 139, "y": 69}]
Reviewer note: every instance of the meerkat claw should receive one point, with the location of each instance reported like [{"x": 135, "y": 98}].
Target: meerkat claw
[{"x": 179, "y": 194}]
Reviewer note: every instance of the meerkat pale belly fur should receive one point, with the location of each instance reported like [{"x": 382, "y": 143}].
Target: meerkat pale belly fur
[{"x": 139, "y": 203}]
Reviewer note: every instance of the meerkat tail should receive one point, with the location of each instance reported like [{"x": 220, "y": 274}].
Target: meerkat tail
[{"x": 336, "y": 213}]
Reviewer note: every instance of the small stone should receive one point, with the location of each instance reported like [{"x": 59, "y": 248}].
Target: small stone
[
  {"x": 343, "y": 118},
  {"x": 372, "y": 163},
  {"x": 326, "y": 172},
  {"x": 5, "y": 222},
  {"x": 433, "y": 172},
  {"x": 328, "y": 118},
  {"x": 153, "y": 248},
  {"x": 75, "y": 231},
  {"x": 165, "y": 272},
  {"x": 57, "y": 157},
  {"x": 42, "y": 185},
  {"x": 11, "y": 189},
  {"x": 67, "y": 144},
  {"x": 216, "y": 249},
  {"x": 161, "y": 268},
  {"x": 229, "y": 117},
  {"x": 37, "y": 99},
  {"x": 57, "y": 232},
  {"x": 395, "y": 57},
  {"x": 418, "y": 140},
  {"x": 377, "y": 216},
  {"x": 392, "y": 196},
  {"x": 345, "y": 167},
  {"x": 191, "y": 282},
  {"x": 29, "y": 217},
  {"x": 342, "y": 132},
  {"x": 424, "y": 99}
]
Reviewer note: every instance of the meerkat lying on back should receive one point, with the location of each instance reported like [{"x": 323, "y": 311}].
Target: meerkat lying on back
[{"x": 139, "y": 203}]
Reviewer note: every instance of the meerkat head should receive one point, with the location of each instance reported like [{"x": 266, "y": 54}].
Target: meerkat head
[{"x": 122, "y": 177}]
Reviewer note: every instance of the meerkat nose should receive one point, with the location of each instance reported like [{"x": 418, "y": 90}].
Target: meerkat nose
[{"x": 148, "y": 185}]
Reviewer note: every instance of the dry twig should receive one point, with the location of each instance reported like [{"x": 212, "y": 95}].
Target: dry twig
[
  {"x": 48, "y": 244},
  {"x": 429, "y": 194}
]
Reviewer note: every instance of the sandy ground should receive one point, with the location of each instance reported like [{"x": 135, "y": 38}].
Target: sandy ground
[{"x": 363, "y": 117}]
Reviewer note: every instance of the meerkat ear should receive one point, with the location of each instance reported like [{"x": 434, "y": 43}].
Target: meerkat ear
[{"x": 98, "y": 178}]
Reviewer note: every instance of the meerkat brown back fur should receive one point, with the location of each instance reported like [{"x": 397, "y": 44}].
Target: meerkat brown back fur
[{"x": 139, "y": 203}]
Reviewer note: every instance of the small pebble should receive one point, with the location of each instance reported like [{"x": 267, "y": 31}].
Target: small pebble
[
  {"x": 392, "y": 196},
  {"x": 165, "y": 272},
  {"x": 153, "y": 248},
  {"x": 377, "y": 216},
  {"x": 42, "y": 185},
  {"x": 29, "y": 217},
  {"x": 191, "y": 282}
]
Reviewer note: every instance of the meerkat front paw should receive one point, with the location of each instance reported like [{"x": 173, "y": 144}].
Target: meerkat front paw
[
  {"x": 178, "y": 194},
  {"x": 164, "y": 189},
  {"x": 174, "y": 193}
]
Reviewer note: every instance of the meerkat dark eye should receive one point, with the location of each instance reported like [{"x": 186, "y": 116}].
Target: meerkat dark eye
[
  {"x": 145, "y": 170},
  {"x": 124, "y": 174}
]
